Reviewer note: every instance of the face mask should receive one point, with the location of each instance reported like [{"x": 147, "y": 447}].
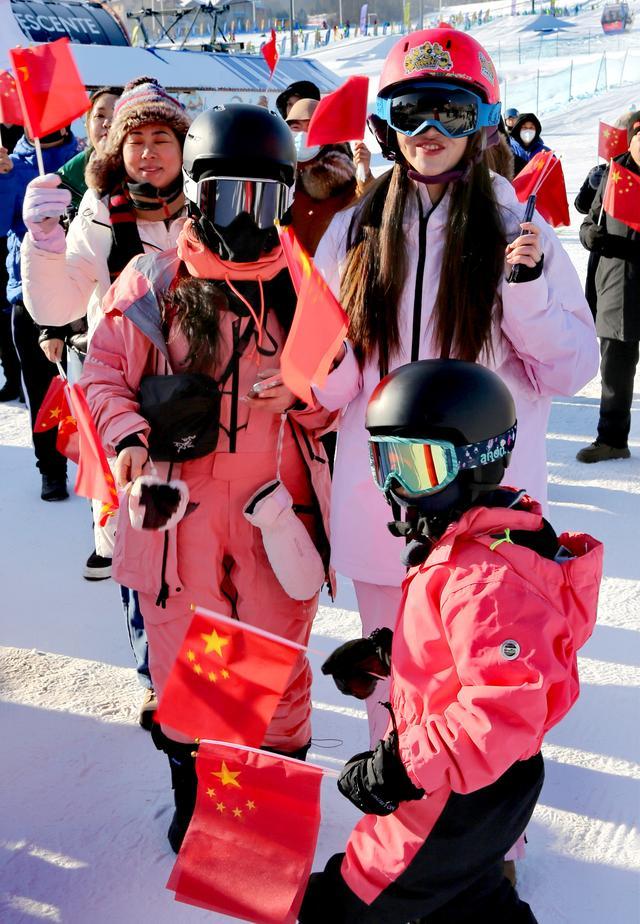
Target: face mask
[
  {"x": 304, "y": 153},
  {"x": 241, "y": 241},
  {"x": 527, "y": 136}
]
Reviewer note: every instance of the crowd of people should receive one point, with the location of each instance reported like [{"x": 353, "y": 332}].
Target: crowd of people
[{"x": 150, "y": 263}]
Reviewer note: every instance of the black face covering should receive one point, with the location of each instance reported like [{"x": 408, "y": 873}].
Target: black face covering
[
  {"x": 241, "y": 241},
  {"x": 146, "y": 197}
]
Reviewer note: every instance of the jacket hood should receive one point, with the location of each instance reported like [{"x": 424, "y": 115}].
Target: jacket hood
[
  {"x": 570, "y": 584},
  {"x": 60, "y": 153},
  {"x": 527, "y": 117}
]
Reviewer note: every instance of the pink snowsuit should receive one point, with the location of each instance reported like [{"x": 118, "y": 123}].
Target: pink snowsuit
[
  {"x": 483, "y": 664},
  {"x": 214, "y": 557}
]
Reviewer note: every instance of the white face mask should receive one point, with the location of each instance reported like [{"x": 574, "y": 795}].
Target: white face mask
[
  {"x": 528, "y": 135},
  {"x": 304, "y": 153}
]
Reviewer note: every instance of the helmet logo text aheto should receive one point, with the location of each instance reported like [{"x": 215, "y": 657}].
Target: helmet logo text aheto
[{"x": 427, "y": 57}]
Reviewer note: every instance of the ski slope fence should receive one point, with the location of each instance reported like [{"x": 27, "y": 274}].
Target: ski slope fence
[{"x": 547, "y": 89}]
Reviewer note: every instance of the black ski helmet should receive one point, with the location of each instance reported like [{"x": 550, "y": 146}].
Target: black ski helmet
[
  {"x": 452, "y": 401},
  {"x": 239, "y": 166}
]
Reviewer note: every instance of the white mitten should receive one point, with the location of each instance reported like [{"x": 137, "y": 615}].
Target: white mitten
[
  {"x": 44, "y": 203},
  {"x": 289, "y": 547},
  {"x": 157, "y": 504}
]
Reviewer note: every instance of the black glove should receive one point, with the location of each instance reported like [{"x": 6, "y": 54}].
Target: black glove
[
  {"x": 595, "y": 175},
  {"x": 376, "y": 781},
  {"x": 357, "y": 665}
]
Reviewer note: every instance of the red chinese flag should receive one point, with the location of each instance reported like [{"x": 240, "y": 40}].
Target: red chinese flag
[
  {"x": 10, "y": 111},
  {"x": 342, "y": 115},
  {"x": 611, "y": 141},
  {"x": 94, "y": 479},
  {"x": 54, "y": 406},
  {"x": 295, "y": 255},
  {"x": 227, "y": 680},
  {"x": 622, "y": 196},
  {"x": 543, "y": 176},
  {"x": 270, "y": 54},
  {"x": 250, "y": 845},
  {"x": 319, "y": 327},
  {"x": 55, "y": 412},
  {"x": 51, "y": 90}
]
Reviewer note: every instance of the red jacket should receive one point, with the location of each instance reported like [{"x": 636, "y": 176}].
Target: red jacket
[{"x": 484, "y": 663}]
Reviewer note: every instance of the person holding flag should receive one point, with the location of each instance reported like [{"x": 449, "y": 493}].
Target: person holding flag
[
  {"x": 422, "y": 267},
  {"x": 212, "y": 317},
  {"x": 37, "y": 372},
  {"x": 612, "y": 231},
  {"x": 134, "y": 204}
]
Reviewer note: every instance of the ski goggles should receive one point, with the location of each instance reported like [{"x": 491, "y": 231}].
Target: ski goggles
[
  {"x": 427, "y": 466},
  {"x": 452, "y": 110},
  {"x": 221, "y": 200}
]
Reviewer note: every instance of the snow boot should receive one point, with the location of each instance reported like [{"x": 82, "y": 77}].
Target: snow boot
[{"x": 184, "y": 782}]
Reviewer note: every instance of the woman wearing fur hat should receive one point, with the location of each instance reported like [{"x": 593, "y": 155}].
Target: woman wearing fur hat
[
  {"x": 326, "y": 178},
  {"x": 134, "y": 204}
]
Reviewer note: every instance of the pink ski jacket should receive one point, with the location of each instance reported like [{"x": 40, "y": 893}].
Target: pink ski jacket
[
  {"x": 483, "y": 664},
  {"x": 544, "y": 344},
  {"x": 129, "y": 344}
]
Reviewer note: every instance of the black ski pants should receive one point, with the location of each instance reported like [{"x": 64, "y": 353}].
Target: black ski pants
[
  {"x": 457, "y": 875},
  {"x": 618, "y": 361},
  {"x": 37, "y": 373}
]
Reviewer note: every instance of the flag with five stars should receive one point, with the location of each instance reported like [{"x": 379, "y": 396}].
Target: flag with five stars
[
  {"x": 319, "y": 326},
  {"x": 51, "y": 91},
  {"x": 295, "y": 255},
  {"x": 342, "y": 115},
  {"x": 611, "y": 141},
  {"x": 10, "y": 111},
  {"x": 55, "y": 412},
  {"x": 622, "y": 196},
  {"x": 250, "y": 845},
  {"x": 94, "y": 478},
  {"x": 269, "y": 52},
  {"x": 227, "y": 680},
  {"x": 543, "y": 176}
]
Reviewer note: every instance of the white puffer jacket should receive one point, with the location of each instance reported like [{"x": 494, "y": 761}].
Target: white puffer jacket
[
  {"x": 545, "y": 345},
  {"x": 59, "y": 288}
]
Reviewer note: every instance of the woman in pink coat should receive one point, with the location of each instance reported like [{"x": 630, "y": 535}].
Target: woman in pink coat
[
  {"x": 483, "y": 661},
  {"x": 220, "y": 307},
  {"x": 422, "y": 266}
]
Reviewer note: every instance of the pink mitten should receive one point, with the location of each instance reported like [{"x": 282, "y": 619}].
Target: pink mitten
[{"x": 44, "y": 203}]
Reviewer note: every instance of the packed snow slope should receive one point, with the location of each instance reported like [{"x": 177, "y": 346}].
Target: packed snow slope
[{"x": 86, "y": 799}]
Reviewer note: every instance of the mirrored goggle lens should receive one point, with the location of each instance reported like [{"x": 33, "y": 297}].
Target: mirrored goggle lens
[
  {"x": 419, "y": 467},
  {"x": 455, "y": 110},
  {"x": 223, "y": 200}
]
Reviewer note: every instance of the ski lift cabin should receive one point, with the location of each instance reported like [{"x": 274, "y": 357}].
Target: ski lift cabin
[{"x": 616, "y": 17}]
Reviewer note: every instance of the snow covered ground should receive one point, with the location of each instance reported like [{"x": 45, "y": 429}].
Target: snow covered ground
[{"x": 86, "y": 799}]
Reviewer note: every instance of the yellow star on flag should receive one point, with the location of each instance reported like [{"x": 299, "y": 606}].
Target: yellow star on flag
[
  {"x": 250, "y": 805},
  {"x": 213, "y": 677},
  {"x": 227, "y": 777},
  {"x": 539, "y": 164},
  {"x": 211, "y": 793},
  {"x": 55, "y": 412},
  {"x": 191, "y": 656},
  {"x": 214, "y": 642},
  {"x": 225, "y": 674},
  {"x": 197, "y": 669},
  {"x": 237, "y": 812},
  {"x": 220, "y": 806},
  {"x": 615, "y": 177}
]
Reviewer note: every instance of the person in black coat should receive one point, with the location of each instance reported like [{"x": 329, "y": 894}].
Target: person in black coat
[
  {"x": 583, "y": 202},
  {"x": 525, "y": 140},
  {"x": 617, "y": 283}
]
